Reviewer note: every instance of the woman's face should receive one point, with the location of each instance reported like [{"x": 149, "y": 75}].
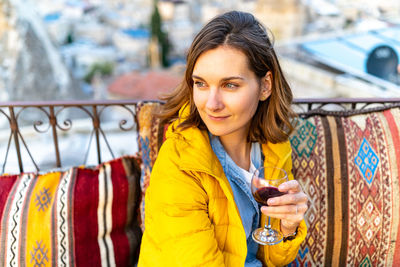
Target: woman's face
[{"x": 226, "y": 92}]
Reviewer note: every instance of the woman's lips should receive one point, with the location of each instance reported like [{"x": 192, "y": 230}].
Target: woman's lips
[{"x": 217, "y": 118}]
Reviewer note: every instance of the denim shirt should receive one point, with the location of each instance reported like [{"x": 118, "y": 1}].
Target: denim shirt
[{"x": 247, "y": 206}]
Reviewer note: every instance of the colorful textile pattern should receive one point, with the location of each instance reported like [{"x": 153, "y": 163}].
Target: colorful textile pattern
[
  {"x": 351, "y": 176},
  {"x": 81, "y": 217},
  {"x": 150, "y": 138},
  {"x": 367, "y": 161}
]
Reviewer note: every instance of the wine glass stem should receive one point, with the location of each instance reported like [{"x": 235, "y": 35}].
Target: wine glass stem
[{"x": 268, "y": 226}]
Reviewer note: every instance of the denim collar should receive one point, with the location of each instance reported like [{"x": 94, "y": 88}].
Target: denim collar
[{"x": 232, "y": 171}]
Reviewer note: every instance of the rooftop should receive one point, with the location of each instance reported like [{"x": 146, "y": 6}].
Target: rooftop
[
  {"x": 148, "y": 85},
  {"x": 350, "y": 53}
]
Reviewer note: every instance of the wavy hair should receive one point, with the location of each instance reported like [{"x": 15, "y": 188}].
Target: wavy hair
[{"x": 242, "y": 31}]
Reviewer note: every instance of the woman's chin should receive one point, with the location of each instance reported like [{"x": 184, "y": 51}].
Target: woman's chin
[{"x": 218, "y": 132}]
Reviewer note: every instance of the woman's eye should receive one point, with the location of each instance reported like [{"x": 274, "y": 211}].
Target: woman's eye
[
  {"x": 231, "y": 86},
  {"x": 199, "y": 84}
]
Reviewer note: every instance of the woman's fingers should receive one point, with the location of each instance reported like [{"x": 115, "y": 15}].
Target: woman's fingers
[
  {"x": 291, "y": 207},
  {"x": 291, "y": 186},
  {"x": 290, "y": 215},
  {"x": 288, "y": 199},
  {"x": 284, "y": 211}
]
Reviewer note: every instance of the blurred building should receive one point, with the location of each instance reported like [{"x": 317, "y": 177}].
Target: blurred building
[
  {"x": 58, "y": 27},
  {"x": 323, "y": 16},
  {"x": 134, "y": 45},
  {"x": 81, "y": 56},
  {"x": 285, "y": 18},
  {"x": 94, "y": 31},
  {"x": 377, "y": 8},
  {"x": 352, "y": 64},
  {"x": 127, "y": 13},
  {"x": 178, "y": 23}
]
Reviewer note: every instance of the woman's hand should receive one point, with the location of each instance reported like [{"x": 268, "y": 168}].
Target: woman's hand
[{"x": 290, "y": 208}]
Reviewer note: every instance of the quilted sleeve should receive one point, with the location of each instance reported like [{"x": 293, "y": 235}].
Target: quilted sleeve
[{"x": 177, "y": 223}]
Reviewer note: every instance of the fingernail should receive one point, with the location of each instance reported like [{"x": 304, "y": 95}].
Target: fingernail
[
  {"x": 264, "y": 209},
  {"x": 271, "y": 201}
]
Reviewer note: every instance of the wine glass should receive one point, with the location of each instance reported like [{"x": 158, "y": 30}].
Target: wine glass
[{"x": 264, "y": 185}]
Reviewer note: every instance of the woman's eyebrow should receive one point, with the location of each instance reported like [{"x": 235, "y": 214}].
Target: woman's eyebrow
[
  {"x": 223, "y": 79},
  {"x": 232, "y": 78},
  {"x": 197, "y": 77}
]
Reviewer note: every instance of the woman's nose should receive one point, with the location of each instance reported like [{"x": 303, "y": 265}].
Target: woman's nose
[{"x": 214, "y": 100}]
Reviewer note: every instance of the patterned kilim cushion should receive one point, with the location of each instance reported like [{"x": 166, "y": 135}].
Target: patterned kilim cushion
[
  {"x": 81, "y": 217},
  {"x": 150, "y": 138},
  {"x": 349, "y": 168}
]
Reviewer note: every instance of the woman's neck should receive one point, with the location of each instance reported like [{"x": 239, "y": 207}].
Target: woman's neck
[{"x": 239, "y": 151}]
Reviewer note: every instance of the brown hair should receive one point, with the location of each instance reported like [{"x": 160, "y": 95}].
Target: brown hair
[{"x": 239, "y": 30}]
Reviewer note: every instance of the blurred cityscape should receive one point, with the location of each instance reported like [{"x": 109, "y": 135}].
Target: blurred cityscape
[
  {"x": 101, "y": 49},
  {"x": 136, "y": 49}
]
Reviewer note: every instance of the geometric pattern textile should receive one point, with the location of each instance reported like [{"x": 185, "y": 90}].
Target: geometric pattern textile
[
  {"x": 150, "y": 138},
  {"x": 367, "y": 161},
  {"x": 351, "y": 177},
  {"x": 79, "y": 217},
  {"x": 304, "y": 138}
]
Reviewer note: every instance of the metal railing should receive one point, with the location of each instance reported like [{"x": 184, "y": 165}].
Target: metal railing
[
  {"x": 54, "y": 121},
  {"x": 52, "y": 116},
  {"x": 342, "y": 106}
]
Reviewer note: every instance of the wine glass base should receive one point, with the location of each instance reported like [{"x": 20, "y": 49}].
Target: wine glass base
[{"x": 264, "y": 236}]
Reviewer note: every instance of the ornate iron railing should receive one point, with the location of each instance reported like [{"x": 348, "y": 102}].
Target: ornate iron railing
[
  {"x": 52, "y": 118},
  {"x": 55, "y": 119},
  {"x": 342, "y": 106}
]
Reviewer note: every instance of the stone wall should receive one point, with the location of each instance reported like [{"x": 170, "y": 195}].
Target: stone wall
[
  {"x": 308, "y": 81},
  {"x": 285, "y": 18}
]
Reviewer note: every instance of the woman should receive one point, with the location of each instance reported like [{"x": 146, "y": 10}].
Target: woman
[{"x": 230, "y": 115}]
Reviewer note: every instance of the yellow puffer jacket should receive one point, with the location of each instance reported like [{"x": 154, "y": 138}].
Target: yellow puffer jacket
[{"x": 191, "y": 218}]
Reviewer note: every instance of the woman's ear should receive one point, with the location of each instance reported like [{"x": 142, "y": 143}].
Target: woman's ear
[{"x": 266, "y": 86}]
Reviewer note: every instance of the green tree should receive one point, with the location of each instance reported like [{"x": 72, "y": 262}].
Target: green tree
[
  {"x": 104, "y": 68},
  {"x": 162, "y": 37}
]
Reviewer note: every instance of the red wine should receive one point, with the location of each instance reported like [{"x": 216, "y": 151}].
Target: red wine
[{"x": 263, "y": 194}]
